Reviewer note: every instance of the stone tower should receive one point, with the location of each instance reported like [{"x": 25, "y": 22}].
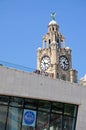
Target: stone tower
[{"x": 54, "y": 58}]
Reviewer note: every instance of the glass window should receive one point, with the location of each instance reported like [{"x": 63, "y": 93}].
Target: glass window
[
  {"x": 57, "y": 107},
  {"x": 53, "y": 28},
  {"x": 28, "y": 128},
  {"x": 42, "y": 121},
  {"x": 49, "y": 41},
  {"x": 3, "y": 115},
  {"x": 30, "y": 103},
  {"x": 17, "y": 102},
  {"x": 14, "y": 118},
  {"x": 68, "y": 123},
  {"x": 48, "y": 115},
  {"x": 70, "y": 110},
  {"x": 44, "y": 106},
  {"x": 56, "y": 122},
  {"x": 4, "y": 100}
]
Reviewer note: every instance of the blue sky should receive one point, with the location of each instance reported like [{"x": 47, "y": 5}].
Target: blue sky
[{"x": 24, "y": 22}]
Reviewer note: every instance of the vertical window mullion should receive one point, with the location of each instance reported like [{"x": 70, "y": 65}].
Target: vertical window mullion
[
  {"x": 22, "y": 113},
  {"x": 50, "y": 114},
  {"x": 63, "y": 118},
  {"x": 7, "y": 114},
  {"x": 36, "y": 114}
]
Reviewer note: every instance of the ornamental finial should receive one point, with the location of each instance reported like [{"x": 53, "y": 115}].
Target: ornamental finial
[{"x": 53, "y": 14}]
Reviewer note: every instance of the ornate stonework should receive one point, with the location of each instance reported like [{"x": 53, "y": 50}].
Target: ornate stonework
[{"x": 59, "y": 63}]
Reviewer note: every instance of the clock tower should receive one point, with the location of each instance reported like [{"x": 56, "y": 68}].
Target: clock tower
[{"x": 54, "y": 58}]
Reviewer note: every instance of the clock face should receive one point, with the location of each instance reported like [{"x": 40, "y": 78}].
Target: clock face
[
  {"x": 45, "y": 63},
  {"x": 64, "y": 62}
]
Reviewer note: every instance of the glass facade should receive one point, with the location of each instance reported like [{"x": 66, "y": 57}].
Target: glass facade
[{"x": 32, "y": 114}]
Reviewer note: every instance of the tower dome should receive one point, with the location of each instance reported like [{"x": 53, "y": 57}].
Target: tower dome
[{"x": 53, "y": 22}]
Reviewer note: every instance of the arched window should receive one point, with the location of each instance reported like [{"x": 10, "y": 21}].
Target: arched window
[
  {"x": 49, "y": 44},
  {"x": 57, "y": 40},
  {"x": 49, "y": 41},
  {"x": 53, "y": 28}
]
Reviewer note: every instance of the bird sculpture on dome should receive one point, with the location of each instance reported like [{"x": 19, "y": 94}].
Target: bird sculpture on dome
[{"x": 53, "y": 15}]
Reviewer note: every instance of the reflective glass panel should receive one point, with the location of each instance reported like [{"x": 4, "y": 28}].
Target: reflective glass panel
[
  {"x": 49, "y": 115},
  {"x": 14, "y": 118},
  {"x": 28, "y": 128},
  {"x": 3, "y": 115},
  {"x": 30, "y": 103},
  {"x": 44, "y": 106},
  {"x": 70, "y": 110},
  {"x": 68, "y": 123},
  {"x": 42, "y": 121},
  {"x": 57, "y": 107},
  {"x": 14, "y": 101},
  {"x": 56, "y": 122},
  {"x": 4, "y": 100}
]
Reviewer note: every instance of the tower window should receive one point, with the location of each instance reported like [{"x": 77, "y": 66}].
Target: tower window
[
  {"x": 49, "y": 41},
  {"x": 53, "y": 28},
  {"x": 57, "y": 40}
]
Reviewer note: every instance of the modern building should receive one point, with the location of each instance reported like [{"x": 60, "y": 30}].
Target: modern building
[{"x": 50, "y": 97}]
